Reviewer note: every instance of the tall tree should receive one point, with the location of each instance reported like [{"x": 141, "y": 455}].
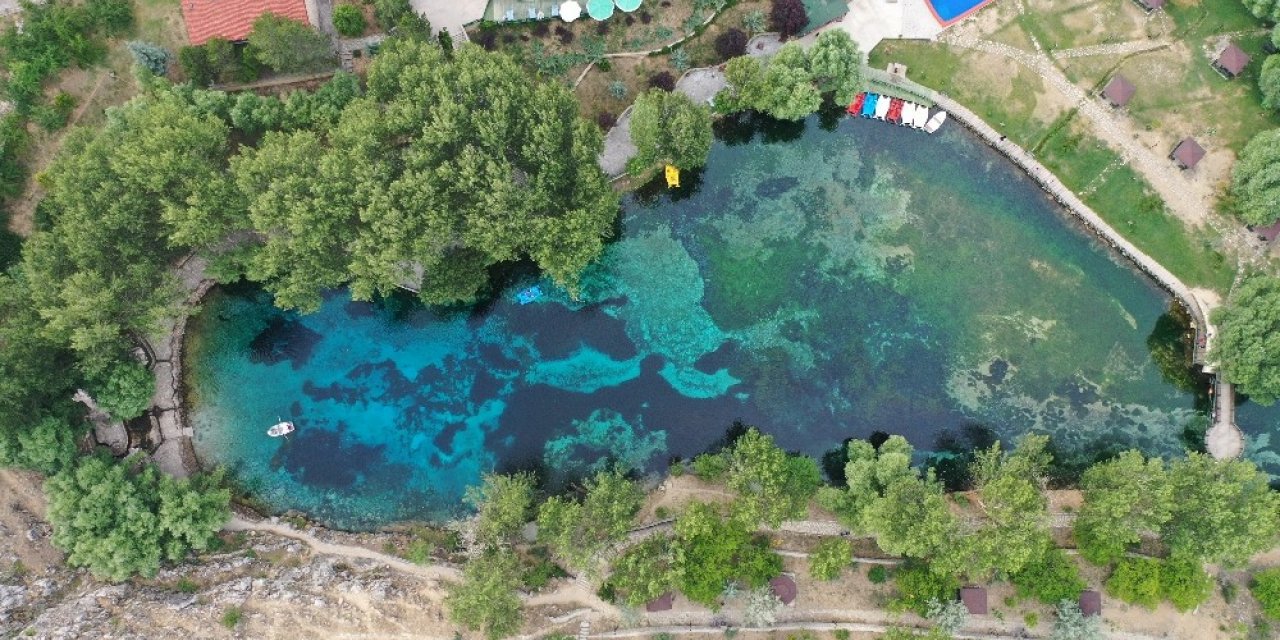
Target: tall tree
[
  {"x": 836, "y": 64},
  {"x": 503, "y": 504},
  {"x": 788, "y": 17},
  {"x": 668, "y": 128},
  {"x": 118, "y": 522},
  {"x": 711, "y": 551},
  {"x": 1255, "y": 179},
  {"x": 869, "y": 473},
  {"x": 577, "y": 531},
  {"x": 1269, "y": 82},
  {"x": 911, "y": 518},
  {"x": 1268, "y": 10},
  {"x": 287, "y": 45},
  {"x": 782, "y": 88},
  {"x": 1123, "y": 499},
  {"x": 644, "y": 571},
  {"x": 485, "y": 600},
  {"x": 1245, "y": 349},
  {"x": 771, "y": 485},
  {"x": 1010, "y": 526},
  {"x": 1225, "y": 510}
]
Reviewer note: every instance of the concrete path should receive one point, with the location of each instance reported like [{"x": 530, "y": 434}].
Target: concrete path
[
  {"x": 450, "y": 14},
  {"x": 1224, "y": 439}
]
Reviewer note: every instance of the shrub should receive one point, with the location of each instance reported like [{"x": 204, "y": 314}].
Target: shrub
[
  {"x": 830, "y": 558},
  {"x": 878, "y": 574},
  {"x": 55, "y": 115},
  {"x": 1072, "y": 624},
  {"x": 1055, "y": 577},
  {"x": 348, "y": 19},
  {"x": 761, "y": 609},
  {"x": 680, "y": 59},
  {"x": 566, "y": 37},
  {"x": 618, "y": 89},
  {"x": 1185, "y": 584},
  {"x": 1266, "y": 588},
  {"x": 606, "y": 121},
  {"x": 231, "y": 617},
  {"x": 1136, "y": 581},
  {"x": 917, "y": 585},
  {"x": 948, "y": 616},
  {"x": 125, "y": 391},
  {"x": 710, "y": 466},
  {"x": 287, "y": 45},
  {"x": 151, "y": 57},
  {"x": 646, "y": 17},
  {"x": 667, "y": 82},
  {"x": 788, "y": 17},
  {"x": 731, "y": 43}
]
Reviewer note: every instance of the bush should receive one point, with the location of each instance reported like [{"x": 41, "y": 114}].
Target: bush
[
  {"x": 1185, "y": 584},
  {"x": 830, "y": 558},
  {"x": 55, "y": 115},
  {"x": 666, "y": 82},
  {"x": 917, "y": 585},
  {"x": 151, "y": 57},
  {"x": 878, "y": 574},
  {"x": 710, "y": 466},
  {"x": 1072, "y": 624},
  {"x": 348, "y": 19},
  {"x": 731, "y": 43},
  {"x": 948, "y": 616},
  {"x": 606, "y": 121},
  {"x": 287, "y": 45},
  {"x": 1055, "y": 577},
  {"x": 1136, "y": 581},
  {"x": 1266, "y": 588},
  {"x": 231, "y": 617}
]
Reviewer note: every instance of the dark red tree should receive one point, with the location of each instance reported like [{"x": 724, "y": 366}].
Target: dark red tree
[
  {"x": 606, "y": 120},
  {"x": 731, "y": 43},
  {"x": 788, "y": 17},
  {"x": 664, "y": 81}
]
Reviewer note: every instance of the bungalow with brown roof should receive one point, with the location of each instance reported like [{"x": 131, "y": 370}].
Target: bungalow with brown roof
[
  {"x": 662, "y": 603},
  {"x": 1231, "y": 61},
  {"x": 233, "y": 19},
  {"x": 1119, "y": 91},
  {"x": 1090, "y": 603},
  {"x": 974, "y": 599},
  {"x": 785, "y": 588},
  {"x": 1187, "y": 154}
]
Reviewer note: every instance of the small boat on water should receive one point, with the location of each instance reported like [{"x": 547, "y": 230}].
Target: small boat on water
[
  {"x": 281, "y": 429},
  {"x": 895, "y": 110},
  {"x": 855, "y": 107},
  {"x": 882, "y": 108},
  {"x": 869, "y": 105},
  {"x": 935, "y": 122},
  {"x": 921, "y": 117}
]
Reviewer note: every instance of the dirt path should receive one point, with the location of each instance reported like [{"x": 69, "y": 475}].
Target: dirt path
[
  {"x": 429, "y": 572},
  {"x": 1188, "y": 200}
]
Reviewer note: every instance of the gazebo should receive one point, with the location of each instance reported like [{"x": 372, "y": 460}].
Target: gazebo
[
  {"x": 1119, "y": 91},
  {"x": 1231, "y": 61},
  {"x": 974, "y": 599},
  {"x": 1187, "y": 154},
  {"x": 785, "y": 588},
  {"x": 662, "y": 603}
]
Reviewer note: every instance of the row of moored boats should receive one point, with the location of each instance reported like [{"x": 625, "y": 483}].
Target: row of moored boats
[{"x": 897, "y": 111}]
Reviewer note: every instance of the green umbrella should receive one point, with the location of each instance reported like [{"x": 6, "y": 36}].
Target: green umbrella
[
  {"x": 600, "y": 9},
  {"x": 628, "y": 6}
]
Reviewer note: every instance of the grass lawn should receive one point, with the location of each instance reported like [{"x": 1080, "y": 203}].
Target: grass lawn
[
  {"x": 1123, "y": 199},
  {"x": 1197, "y": 19}
]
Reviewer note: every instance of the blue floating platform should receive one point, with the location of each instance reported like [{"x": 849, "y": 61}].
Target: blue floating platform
[{"x": 532, "y": 294}]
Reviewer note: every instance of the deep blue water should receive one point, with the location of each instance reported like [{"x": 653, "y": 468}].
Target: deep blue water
[{"x": 818, "y": 284}]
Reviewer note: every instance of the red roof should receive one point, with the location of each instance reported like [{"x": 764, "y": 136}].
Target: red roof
[
  {"x": 974, "y": 599},
  {"x": 1187, "y": 153},
  {"x": 785, "y": 588},
  {"x": 1119, "y": 91},
  {"x": 233, "y": 19},
  {"x": 663, "y": 603},
  {"x": 1090, "y": 603}
]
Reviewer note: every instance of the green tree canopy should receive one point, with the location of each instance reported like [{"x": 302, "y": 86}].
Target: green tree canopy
[
  {"x": 644, "y": 571},
  {"x": 869, "y": 472},
  {"x": 711, "y": 551},
  {"x": 1011, "y": 529},
  {"x": 1123, "y": 498},
  {"x": 118, "y": 523},
  {"x": 120, "y": 197},
  {"x": 446, "y": 167},
  {"x": 485, "y": 600},
  {"x": 1224, "y": 512},
  {"x": 1268, "y": 10},
  {"x": 836, "y": 65},
  {"x": 782, "y": 88},
  {"x": 668, "y": 128},
  {"x": 1255, "y": 178},
  {"x": 911, "y": 518},
  {"x": 577, "y": 531},
  {"x": 287, "y": 45},
  {"x": 125, "y": 390},
  {"x": 503, "y": 504},
  {"x": 771, "y": 485},
  {"x": 1269, "y": 82},
  {"x": 1245, "y": 348}
]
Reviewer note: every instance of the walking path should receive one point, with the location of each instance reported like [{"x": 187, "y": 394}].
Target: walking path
[
  {"x": 1224, "y": 439},
  {"x": 1114, "y": 49}
]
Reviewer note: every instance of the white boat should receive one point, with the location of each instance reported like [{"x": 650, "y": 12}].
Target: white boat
[
  {"x": 281, "y": 429},
  {"x": 909, "y": 113},
  {"x": 882, "y": 107},
  {"x": 936, "y": 121},
  {"x": 922, "y": 116}
]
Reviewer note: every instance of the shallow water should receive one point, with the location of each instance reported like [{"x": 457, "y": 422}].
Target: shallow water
[{"x": 819, "y": 284}]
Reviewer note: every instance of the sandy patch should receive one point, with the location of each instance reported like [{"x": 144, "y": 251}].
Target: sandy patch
[{"x": 23, "y": 532}]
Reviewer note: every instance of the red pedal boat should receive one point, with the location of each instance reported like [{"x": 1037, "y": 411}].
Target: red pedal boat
[
  {"x": 895, "y": 111},
  {"x": 855, "y": 107}
]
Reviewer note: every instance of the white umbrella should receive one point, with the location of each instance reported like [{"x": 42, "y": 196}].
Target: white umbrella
[{"x": 570, "y": 11}]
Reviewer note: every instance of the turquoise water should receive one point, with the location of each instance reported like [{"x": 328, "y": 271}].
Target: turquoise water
[{"x": 823, "y": 280}]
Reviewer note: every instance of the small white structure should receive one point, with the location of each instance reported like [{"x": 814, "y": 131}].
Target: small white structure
[
  {"x": 921, "y": 116},
  {"x": 935, "y": 122},
  {"x": 882, "y": 107},
  {"x": 570, "y": 11}
]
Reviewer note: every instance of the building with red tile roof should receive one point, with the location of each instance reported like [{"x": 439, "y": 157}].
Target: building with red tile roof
[{"x": 233, "y": 19}]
